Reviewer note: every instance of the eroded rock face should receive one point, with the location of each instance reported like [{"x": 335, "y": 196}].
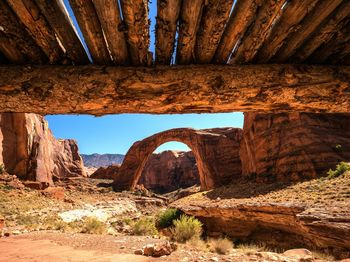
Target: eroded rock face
[
  {"x": 293, "y": 146},
  {"x": 170, "y": 170},
  {"x": 30, "y": 151},
  {"x": 215, "y": 150}
]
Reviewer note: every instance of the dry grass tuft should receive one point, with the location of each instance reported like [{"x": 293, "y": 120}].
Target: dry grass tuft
[{"x": 221, "y": 246}]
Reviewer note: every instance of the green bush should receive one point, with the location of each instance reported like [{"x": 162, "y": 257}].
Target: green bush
[
  {"x": 2, "y": 169},
  {"x": 338, "y": 147},
  {"x": 341, "y": 168},
  {"x": 94, "y": 226},
  {"x": 167, "y": 217},
  {"x": 144, "y": 226},
  {"x": 186, "y": 228}
]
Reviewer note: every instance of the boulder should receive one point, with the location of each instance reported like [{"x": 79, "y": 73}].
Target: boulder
[
  {"x": 36, "y": 185},
  {"x": 157, "y": 250},
  {"x": 299, "y": 253},
  {"x": 170, "y": 170},
  {"x": 29, "y": 150},
  {"x": 11, "y": 181},
  {"x": 54, "y": 192},
  {"x": 293, "y": 146}
]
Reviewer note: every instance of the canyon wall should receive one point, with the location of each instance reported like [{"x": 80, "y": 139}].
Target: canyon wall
[
  {"x": 293, "y": 146},
  {"x": 29, "y": 150},
  {"x": 170, "y": 170}
]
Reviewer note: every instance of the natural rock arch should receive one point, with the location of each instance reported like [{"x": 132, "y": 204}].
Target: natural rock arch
[{"x": 209, "y": 146}]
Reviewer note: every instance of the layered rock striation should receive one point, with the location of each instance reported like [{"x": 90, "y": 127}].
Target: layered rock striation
[
  {"x": 29, "y": 150},
  {"x": 293, "y": 146}
]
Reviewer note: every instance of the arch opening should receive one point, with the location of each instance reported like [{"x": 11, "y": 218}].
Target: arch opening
[
  {"x": 171, "y": 166},
  {"x": 209, "y": 147}
]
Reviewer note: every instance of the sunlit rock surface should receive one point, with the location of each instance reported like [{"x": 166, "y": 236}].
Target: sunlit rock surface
[{"x": 29, "y": 150}]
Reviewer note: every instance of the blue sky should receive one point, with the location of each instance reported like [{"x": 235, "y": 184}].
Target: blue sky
[{"x": 116, "y": 133}]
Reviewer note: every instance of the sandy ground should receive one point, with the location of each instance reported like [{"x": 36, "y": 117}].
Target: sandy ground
[
  {"x": 51, "y": 246},
  {"x": 15, "y": 249}
]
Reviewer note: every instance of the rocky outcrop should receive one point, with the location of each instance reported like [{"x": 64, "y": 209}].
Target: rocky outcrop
[
  {"x": 30, "y": 151},
  {"x": 279, "y": 225},
  {"x": 170, "y": 170},
  {"x": 215, "y": 150},
  {"x": 293, "y": 146},
  {"x": 109, "y": 172},
  {"x": 313, "y": 214}
]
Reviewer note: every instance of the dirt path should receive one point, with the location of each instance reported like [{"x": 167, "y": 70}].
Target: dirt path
[{"x": 15, "y": 249}]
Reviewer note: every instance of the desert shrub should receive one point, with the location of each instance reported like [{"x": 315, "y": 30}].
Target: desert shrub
[
  {"x": 186, "y": 228},
  {"x": 2, "y": 168},
  {"x": 340, "y": 169},
  {"x": 166, "y": 218},
  {"x": 144, "y": 226},
  {"x": 251, "y": 248},
  {"x": 221, "y": 245},
  {"x": 323, "y": 256},
  {"x": 76, "y": 226},
  {"x": 54, "y": 222},
  {"x": 94, "y": 226},
  {"x": 26, "y": 220},
  {"x": 198, "y": 244}
]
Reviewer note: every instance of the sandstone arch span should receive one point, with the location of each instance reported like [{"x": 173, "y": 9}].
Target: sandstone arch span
[{"x": 216, "y": 152}]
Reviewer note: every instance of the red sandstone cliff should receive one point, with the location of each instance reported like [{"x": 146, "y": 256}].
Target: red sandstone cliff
[
  {"x": 108, "y": 172},
  {"x": 29, "y": 150},
  {"x": 170, "y": 170},
  {"x": 293, "y": 146}
]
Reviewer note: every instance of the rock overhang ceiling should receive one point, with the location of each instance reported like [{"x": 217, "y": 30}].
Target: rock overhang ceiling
[{"x": 117, "y": 33}]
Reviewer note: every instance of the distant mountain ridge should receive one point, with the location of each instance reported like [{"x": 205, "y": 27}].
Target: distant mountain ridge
[{"x": 99, "y": 160}]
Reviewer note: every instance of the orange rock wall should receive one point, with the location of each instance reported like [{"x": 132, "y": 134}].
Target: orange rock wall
[
  {"x": 293, "y": 146},
  {"x": 29, "y": 150}
]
